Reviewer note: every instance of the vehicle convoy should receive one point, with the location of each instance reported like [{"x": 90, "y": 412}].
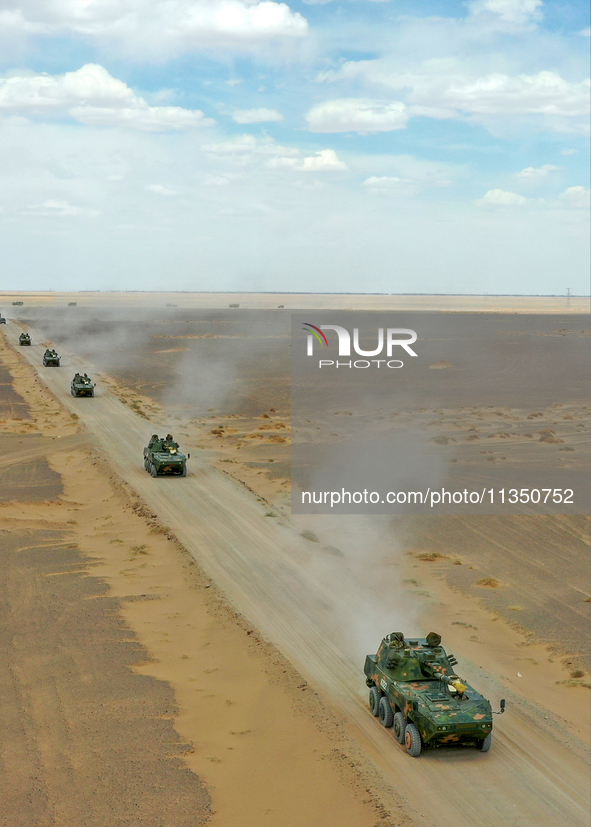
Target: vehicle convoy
[
  {"x": 24, "y": 339},
  {"x": 414, "y": 690},
  {"x": 51, "y": 359},
  {"x": 82, "y": 385},
  {"x": 162, "y": 457}
]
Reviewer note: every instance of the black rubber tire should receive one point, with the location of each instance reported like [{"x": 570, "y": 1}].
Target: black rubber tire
[
  {"x": 399, "y": 727},
  {"x": 153, "y": 470},
  {"x": 412, "y": 740},
  {"x": 374, "y": 701},
  {"x": 184, "y": 472},
  {"x": 485, "y": 745},
  {"x": 385, "y": 712},
  {"x": 92, "y": 393}
]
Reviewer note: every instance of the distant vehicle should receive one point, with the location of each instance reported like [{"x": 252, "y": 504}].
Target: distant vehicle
[
  {"x": 414, "y": 690},
  {"x": 233, "y": 305},
  {"x": 82, "y": 385},
  {"x": 18, "y": 304},
  {"x": 72, "y": 304},
  {"x": 162, "y": 457},
  {"x": 280, "y": 306},
  {"x": 51, "y": 359},
  {"x": 24, "y": 339},
  {"x": 2, "y": 319}
]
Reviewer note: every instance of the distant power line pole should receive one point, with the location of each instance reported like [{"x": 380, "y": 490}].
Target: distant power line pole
[{"x": 568, "y": 296}]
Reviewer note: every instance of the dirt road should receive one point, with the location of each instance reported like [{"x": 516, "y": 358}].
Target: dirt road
[{"x": 535, "y": 776}]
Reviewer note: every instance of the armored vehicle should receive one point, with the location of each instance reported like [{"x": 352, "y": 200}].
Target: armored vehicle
[
  {"x": 2, "y": 319},
  {"x": 24, "y": 339},
  {"x": 415, "y": 690},
  {"x": 163, "y": 457},
  {"x": 51, "y": 359},
  {"x": 82, "y": 386}
]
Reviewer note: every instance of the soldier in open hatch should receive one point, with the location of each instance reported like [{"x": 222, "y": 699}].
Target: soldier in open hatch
[
  {"x": 51, "y": 358},
  {"x": 163, "y": 457},
  {"x": 413, "y": 688}
]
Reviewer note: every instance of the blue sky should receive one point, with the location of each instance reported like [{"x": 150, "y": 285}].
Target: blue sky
[{"x": 326, "y": 146}]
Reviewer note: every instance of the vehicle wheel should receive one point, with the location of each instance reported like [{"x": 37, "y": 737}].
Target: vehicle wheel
[
  {"x": 92, "y": 393},
  {"x": 184, "y": 472},
  {"x": 385, "y": 712},
  {"x": 412, "y": 739},
  {"x": 153, "y": 471},
  {"x": 399, "y": 727},
  {"x": 374, "y": 700},
  {"x": 484, "y": 746}
]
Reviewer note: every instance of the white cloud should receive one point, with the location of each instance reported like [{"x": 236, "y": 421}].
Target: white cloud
[
  {"x": 569, "y": 151},
  {"x": 536, "y": 173},
  {"x": 576, "y": 197},
  {"x": 247, "y": 145},
  {"x": 162, "y": 28},
  {"x": 442, "y": 89},
  {"x": 501, "y": 198},
  {"x": 92, "y": 96},
  {"x": 357, "y": 115},
  {"x": 247, "y": 150},
  {"x": 326, "y": 160},
  {"x": 160, "y": 190},
  {"x": 58, "y": 209},
  {"x": 256, "y": 115},
  {"x": 390, "y": 185},
  {"x": 517, "y": 12}
]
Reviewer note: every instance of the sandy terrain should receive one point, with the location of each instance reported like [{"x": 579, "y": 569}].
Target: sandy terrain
[
  {"x": 329, "y": 599},
  {"x": 296, "y": 301},
  {"x": 131, "y": 693}
]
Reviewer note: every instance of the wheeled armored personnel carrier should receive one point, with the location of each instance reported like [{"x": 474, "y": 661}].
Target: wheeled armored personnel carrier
[
  {"x": 162, "y": 457},
  {"x": 51, "y": 359},
  {"x": 24, "y": 339},
  {"x": 82, "y": 385},
  {"x": 415, "y": 690},
  {"x": 2, "y": 319}
]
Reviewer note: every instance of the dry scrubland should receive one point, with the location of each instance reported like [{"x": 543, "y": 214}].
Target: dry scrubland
[{"x": 242, "y": 738}]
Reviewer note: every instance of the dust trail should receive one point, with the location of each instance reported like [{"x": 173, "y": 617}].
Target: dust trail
[{"x": 358, "y": 559}]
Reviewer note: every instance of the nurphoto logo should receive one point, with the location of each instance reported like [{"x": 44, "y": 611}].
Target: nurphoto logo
[{"x": 388, "y": 339}]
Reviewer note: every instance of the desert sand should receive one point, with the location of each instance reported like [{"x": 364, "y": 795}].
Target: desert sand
[{"x": 315, "y": 588}]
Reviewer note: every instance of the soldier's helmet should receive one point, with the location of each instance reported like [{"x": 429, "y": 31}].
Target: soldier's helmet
[
  {"x": 169, "y": 437},
  {"x": 397, "y": 640}
]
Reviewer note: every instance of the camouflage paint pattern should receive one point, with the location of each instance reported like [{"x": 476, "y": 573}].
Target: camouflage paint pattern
[
  {"x": 419, "y": 681},
  {"x": 165, "y": 456},
  {"x": 82, "y": 386},
  {"x": 51, "y": 359}
]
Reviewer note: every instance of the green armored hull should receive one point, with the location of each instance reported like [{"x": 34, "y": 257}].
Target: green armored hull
[
  {"x": 2, "y": 320},
  {"x": 24, "y": 339},
  {"x": 51, "y": 359},
  {"x": 414, "y": 690},
  {"x": 162, "y": 457},
  {"x": 82, "y": 386}
]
